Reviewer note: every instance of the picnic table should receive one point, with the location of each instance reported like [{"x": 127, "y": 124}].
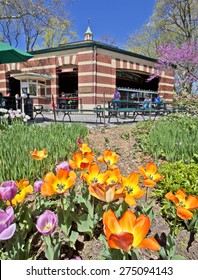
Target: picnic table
[{"x": 120, "y": 113}]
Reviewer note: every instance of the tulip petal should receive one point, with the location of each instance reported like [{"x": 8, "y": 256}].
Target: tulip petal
[
  {"x": 97, "y": 191},
  {"x": 150, "y": 243},
  {"x": 122, "y": 241},
  {"x": 141, "y": 229},
  {"x": 192, "y": 202},
  {"x": 109, "y": 193},
  {"x": 49, "y": 178},
  {"x": 8, "y": 232},
  {"x": 172, "y": 197},
  {"x": 142, "y": 171},
  {"x": 101, "y": 159},
  {"x": 149, "y": 183},
  {"x": 129, "y": 199},
  {"x": 181, "y": 195},
  {"x": 127, "y": 221},
  {"x": 111, "y": 224},
  {"x": 62, "y": 174},
  {"x": 134, "y": 178},
  {"x": 47, "y": 190},
  {"x": 94, "y": 169},
  {"x": 157, "y": 177},
  {"x": 151, "y": 168},
  {"x": 184, "y": 213}
]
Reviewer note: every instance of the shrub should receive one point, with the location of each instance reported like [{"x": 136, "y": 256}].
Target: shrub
[{"x": 177, "y": 176}]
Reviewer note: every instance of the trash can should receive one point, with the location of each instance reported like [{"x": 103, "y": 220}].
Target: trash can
[{"x": 28, "y": 106}]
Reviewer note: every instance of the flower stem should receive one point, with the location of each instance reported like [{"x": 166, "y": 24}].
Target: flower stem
[
  {"x": 125, "y": 256},
  {"x": 146, "y": 196},
  {"x": 174, "y": 226}
]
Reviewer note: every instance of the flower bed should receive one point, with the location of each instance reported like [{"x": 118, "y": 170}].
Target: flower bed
[{"x": 74, "y": 197}]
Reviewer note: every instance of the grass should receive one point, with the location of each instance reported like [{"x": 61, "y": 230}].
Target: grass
[{"x": 18, "y": 140}]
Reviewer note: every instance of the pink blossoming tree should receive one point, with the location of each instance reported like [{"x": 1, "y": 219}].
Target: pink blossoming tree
[{"x": 183, "y": 60}]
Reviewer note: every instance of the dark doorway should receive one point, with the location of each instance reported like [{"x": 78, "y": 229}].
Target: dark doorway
[
  {"x": 14, "y": 86},
  {"x": 68, "y": 82}
]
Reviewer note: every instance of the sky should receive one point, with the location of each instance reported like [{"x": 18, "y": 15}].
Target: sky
[{"x": 115, "y": 18}]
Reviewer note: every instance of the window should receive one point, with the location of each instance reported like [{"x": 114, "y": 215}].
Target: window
[{"x": 33, "y": 87}]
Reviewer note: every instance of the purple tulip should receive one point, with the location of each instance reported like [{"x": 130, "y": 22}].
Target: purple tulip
[
  {"x": 47, "y": 222},
  {"x": 8, "y": 190},
  {"x": 6, "y": 218},
  {"x": 37, "y": 185},
  {"x": 63, "y": 165}
]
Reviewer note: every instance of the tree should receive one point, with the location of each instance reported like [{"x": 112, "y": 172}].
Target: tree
[
  {"x": 26, "y": 21},
  {"x": 178, "y": 18},
  {"x": 184, "y": 60},
  {"x": 172, "y": 27},
  {"x": 145, "y": 41},
  {"x": 57, "y": 33}
]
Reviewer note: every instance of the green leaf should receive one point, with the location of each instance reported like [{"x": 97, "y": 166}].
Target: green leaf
[
  {"x": 84, "y": 223},
  {"x": 178, "y": 257},
  {"x": 73, "y": 238},
  {"x": 64, "y": 220}
]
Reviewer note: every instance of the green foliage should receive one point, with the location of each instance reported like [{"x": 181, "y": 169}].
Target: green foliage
[
  {"x": 177, "y": 176},
  {"x": 168, "y": 252},
  {"x": 18, "y": 140},
  {"x": 172, "y": 138}
]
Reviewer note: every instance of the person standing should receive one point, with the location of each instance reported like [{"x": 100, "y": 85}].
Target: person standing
[{"x": 116, "y": 98}]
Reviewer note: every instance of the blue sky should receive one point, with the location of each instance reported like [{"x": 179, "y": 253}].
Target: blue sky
[{"x": 116, "y": 18}]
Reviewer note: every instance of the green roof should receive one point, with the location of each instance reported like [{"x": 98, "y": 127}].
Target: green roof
[{"x": 84, "y": 44}]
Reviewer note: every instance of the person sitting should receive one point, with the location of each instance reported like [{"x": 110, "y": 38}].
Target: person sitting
[
  {"x": 157, "y": 99},
  {"x": 147, "y": 102}
]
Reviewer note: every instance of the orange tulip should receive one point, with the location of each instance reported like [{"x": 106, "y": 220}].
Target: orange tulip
[
  {"x": 114, "y": 176},
  {"x": 84, "y": 148},
  {"x": 150, "y": 175},
  {"x": 106, "y": 193},
  {"x": 59, "y": 183},
  {"x": 132, "y": 188},
  {"x": 24, "y": 188},
  {"x": 184, "y": 205},
  {"x": 94, "y": 175},
  {"x": 81, "y": 161},
  {"x": 128, "y": 231},
  {"x": 109, "y": 158},
  {"x": 38, "y": 155}
]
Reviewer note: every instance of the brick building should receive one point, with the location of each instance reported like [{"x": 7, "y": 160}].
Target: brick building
[{"x": 89, "y": 70}]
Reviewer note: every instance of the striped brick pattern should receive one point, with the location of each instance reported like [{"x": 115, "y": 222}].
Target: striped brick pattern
[{"x": 96, "y": 73}]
